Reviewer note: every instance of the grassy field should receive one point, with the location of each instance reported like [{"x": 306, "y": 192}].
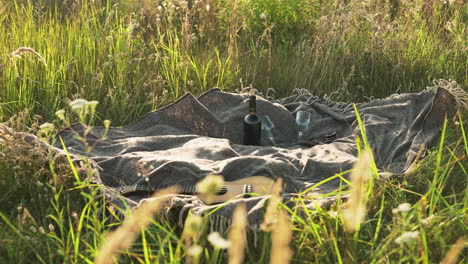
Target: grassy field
[{"x": 136, "y": 56}]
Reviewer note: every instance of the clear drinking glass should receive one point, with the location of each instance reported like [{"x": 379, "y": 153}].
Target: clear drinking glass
[
  {"x": 302, "y": 123},
  {"x": 267, "y": 129}
]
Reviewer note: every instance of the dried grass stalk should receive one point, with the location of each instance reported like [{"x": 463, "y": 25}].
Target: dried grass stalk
[
  {"x": 125, "y": 235},
  {"x": 237, "y": 236},
  {"x": 281, "y": 237},
  {"x": 271, "y": 212},
  {"x": 22, "y": 50},
  {"x": 355, "y": 209},
  {"x": 452, "y": 255}
]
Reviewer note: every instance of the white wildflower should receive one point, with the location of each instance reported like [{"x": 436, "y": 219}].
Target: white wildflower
[
  {"x": 47, "y": 127},
  {"x": 217, "y": 241},
  {"x": 428, "y": 220},
  {"x": 262, "y": 16},
  {"x": 33, "y": 229},
  {"x": 107, "y": 123},
  {"x": 207, "y": 8},
  {"x": 41, "y": 230},
  {"x": 60, "y": 114},
  {"x": 92, "y": 103},
  {"x": 402, "y": 208},
  {"x": 160, "y": 8},
  {"x": 77, "y": 104},
  {"x": 333, "y": 214},
  {"x": 407, "y": 237},
  {"x": 195, "y": 250},
  {"x": 51, "y": 227}
]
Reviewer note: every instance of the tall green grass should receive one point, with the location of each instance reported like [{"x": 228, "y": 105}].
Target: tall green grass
[
  {"x": 159, "y": 50},
  {"x": 135, "y": 56}
]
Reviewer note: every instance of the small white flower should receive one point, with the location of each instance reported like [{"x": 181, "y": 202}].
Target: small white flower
[
  {"x": 262, "y": 16},
  {"x": 107, "y": 123},
  {"x": 333, "y": 214},
  {"x": 74, "y": 215},
  {"x": 51, "y": 227},
  {"x": 47, "y": 127},
  {"x": 407, "y": 237},
  {"x": 60, "y": 114},
  {"x": 77, "y": 104},
  {"x": 33, "y": 229},
  {"x": 402, "y": 208},
  {"x": 195, "y": 250},
  {"x": 207, "y": 8},
  {"x": 160, "y": 8},
  {"x": 41, "y": 230},
  {"x": 93, "y": 103},
  {"x": 109, "y": 56},
  {"x": 217, "y": 241},
  {"x": 427, "y": 220}
]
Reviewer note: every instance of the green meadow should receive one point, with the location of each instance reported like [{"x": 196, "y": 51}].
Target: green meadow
[{"x": 132, "y": 57}]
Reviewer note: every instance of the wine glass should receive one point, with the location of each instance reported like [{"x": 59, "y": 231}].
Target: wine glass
[
  {"x": 302, "y": 123},
  {"x": 267, "y": 129}
]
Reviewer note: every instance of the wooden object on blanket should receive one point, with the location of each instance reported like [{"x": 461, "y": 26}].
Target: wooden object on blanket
[{"x": 246, "y": 187}]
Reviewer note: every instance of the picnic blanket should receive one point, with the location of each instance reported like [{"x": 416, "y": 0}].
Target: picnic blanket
[
  {"x": 194, "y": 137},
  {"x": 191, "y": 138}
]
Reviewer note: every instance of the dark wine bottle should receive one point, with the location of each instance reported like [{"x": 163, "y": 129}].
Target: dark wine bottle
[{"x": 252, "y": 123}]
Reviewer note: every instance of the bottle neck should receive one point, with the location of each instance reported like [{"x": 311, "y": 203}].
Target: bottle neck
[{"x": 252, "y": 105}]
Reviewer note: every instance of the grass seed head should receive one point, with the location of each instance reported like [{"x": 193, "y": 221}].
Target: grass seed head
[
  {"x": 210, "y": 186},
  {"x": 237, "y": 235},
  {"x": 23, "y": 50},
  {"x": 355, "y": 211},
  {"x": 281, "y": 239},
  {"x": 454, "y": 252},
  {"x": 126, "y": 234}
]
